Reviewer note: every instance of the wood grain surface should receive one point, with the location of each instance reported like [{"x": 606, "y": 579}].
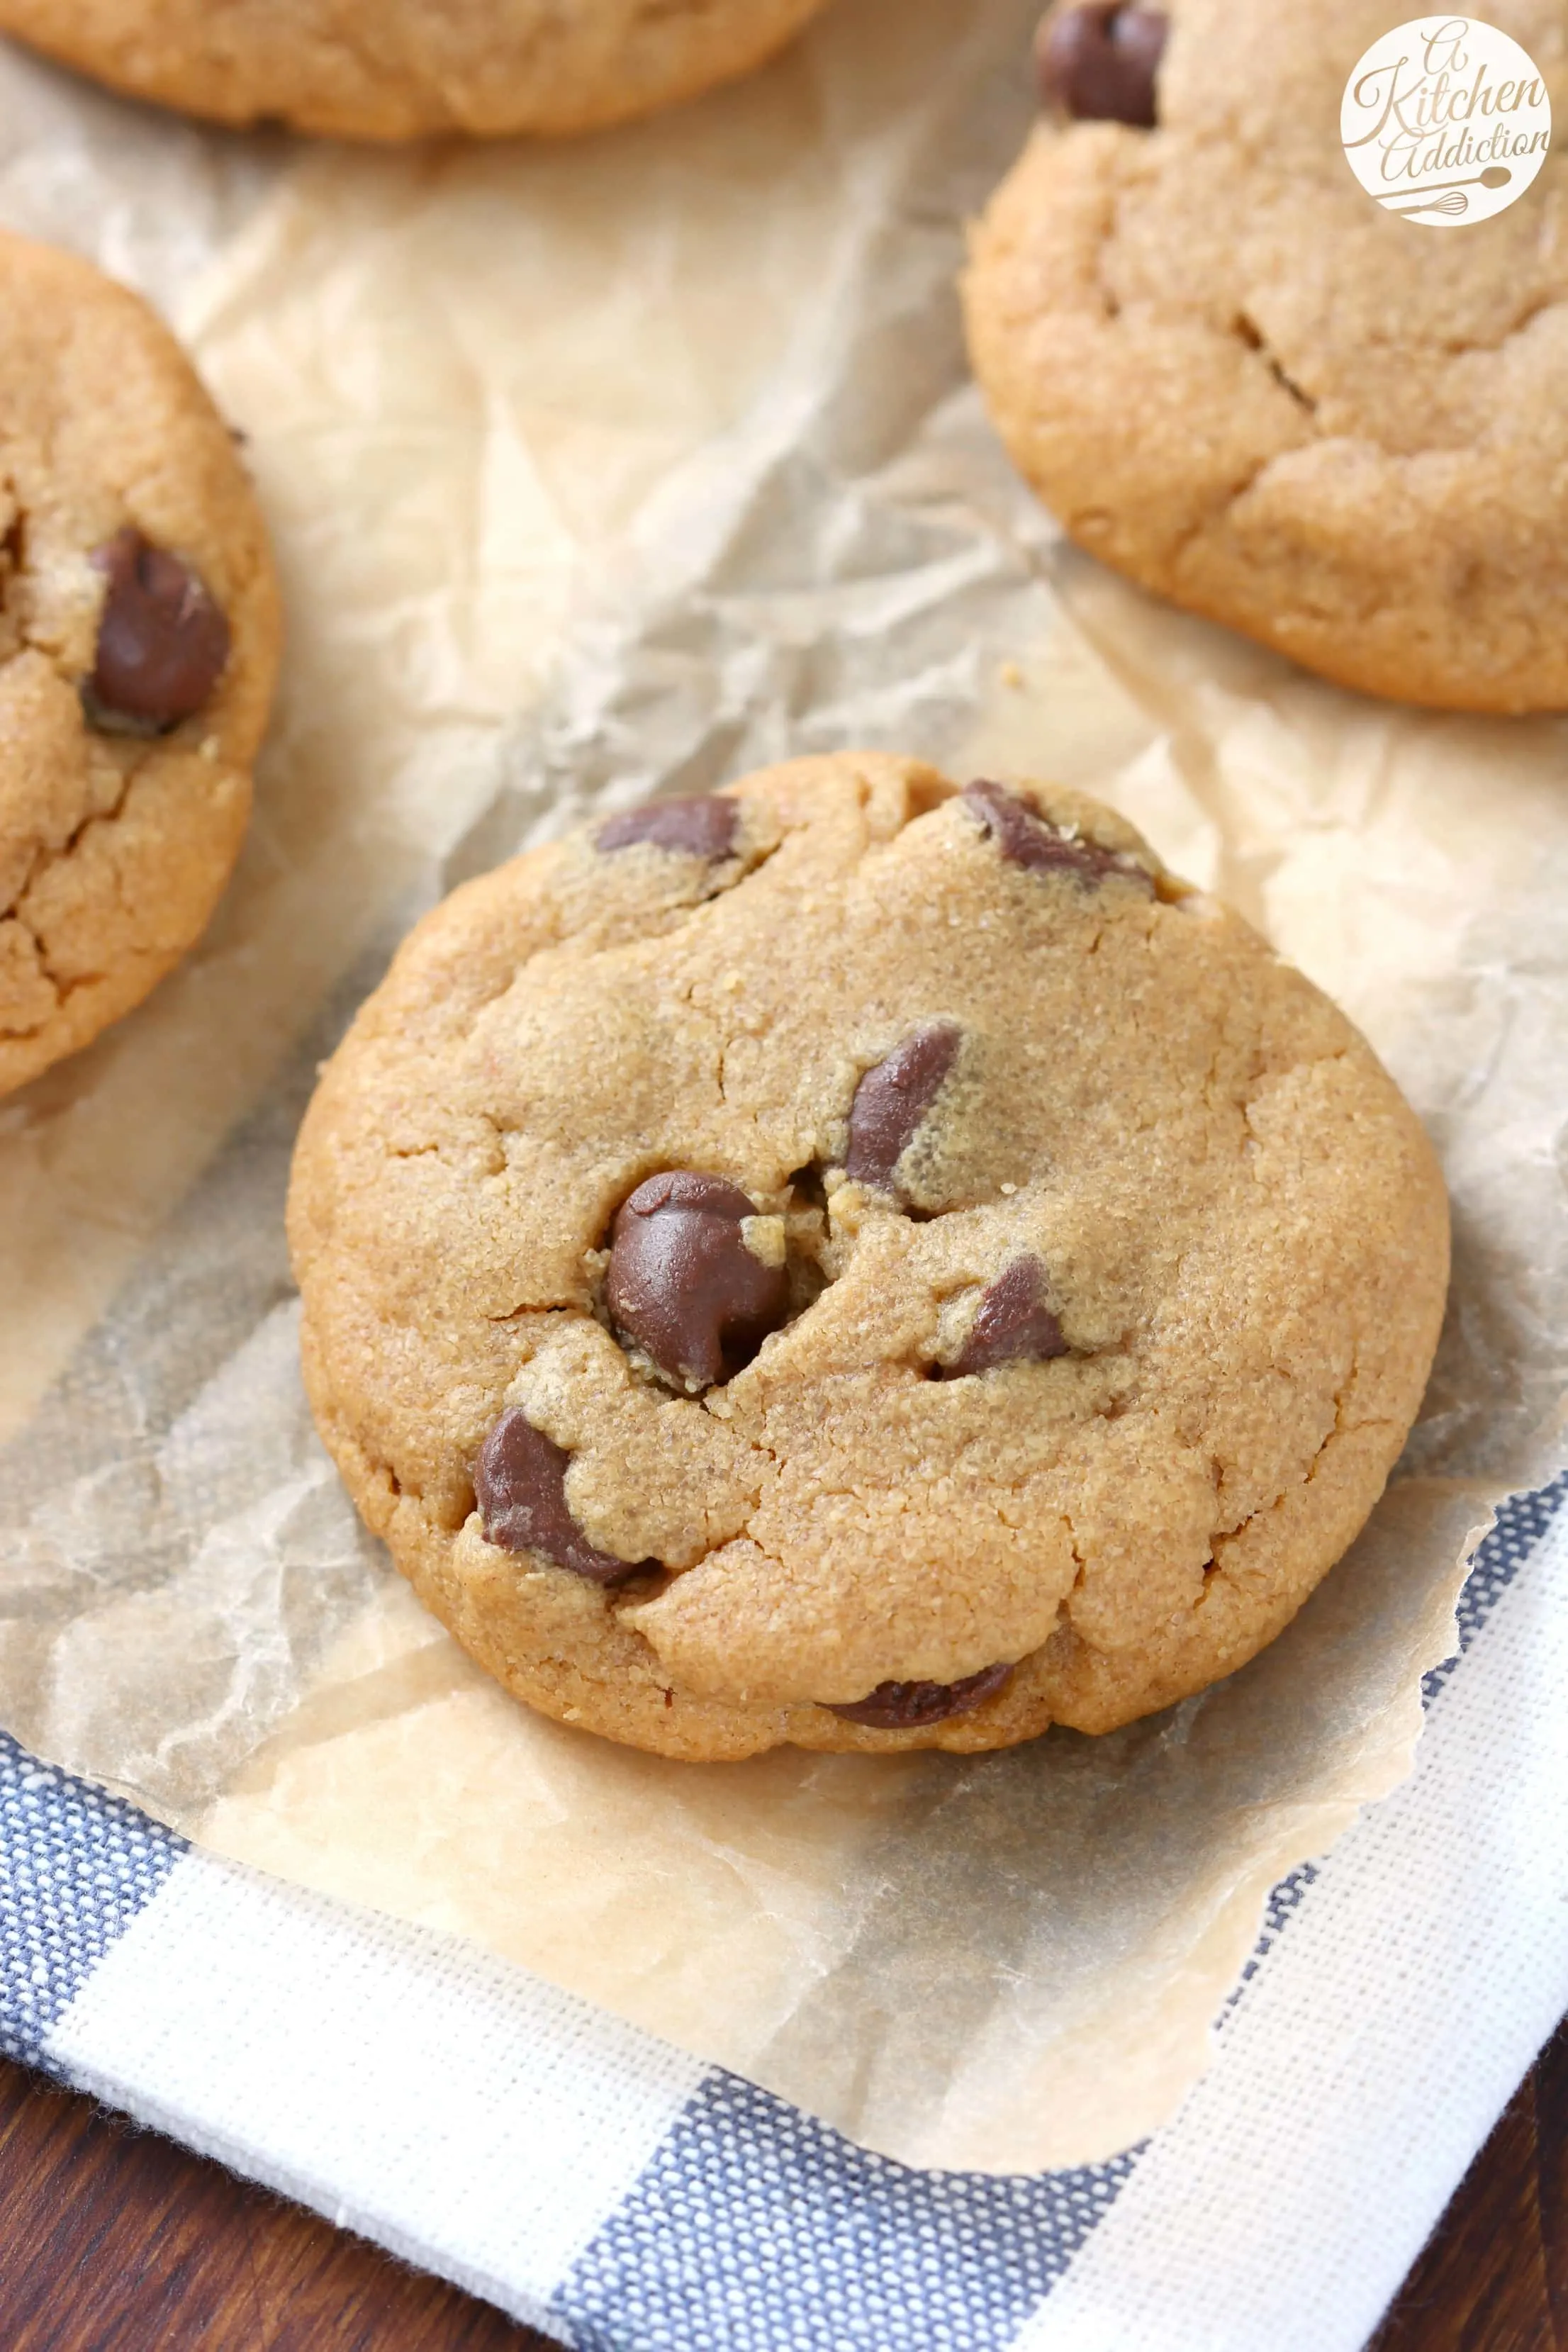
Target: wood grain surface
[{"x": 113, "y": 2240}]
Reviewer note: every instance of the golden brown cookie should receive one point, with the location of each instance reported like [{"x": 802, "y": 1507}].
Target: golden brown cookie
[
  {"x": 859, "y": 1263},
  {"x": 409, "y": 68},
  {"x": 139, "y": 636},
  {"x": 1237, "y": 378}
]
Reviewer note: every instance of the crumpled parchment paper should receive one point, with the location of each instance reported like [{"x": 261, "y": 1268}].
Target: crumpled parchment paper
[{"x": 626, "y": 466}]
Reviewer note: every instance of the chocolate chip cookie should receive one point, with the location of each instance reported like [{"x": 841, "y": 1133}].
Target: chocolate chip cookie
[
  {"x": 1234, "y": 376},
  {"x": 860, "y": 1263},
  {"x": 138, "y": 644},
  {"x": 407, "y": 68}
]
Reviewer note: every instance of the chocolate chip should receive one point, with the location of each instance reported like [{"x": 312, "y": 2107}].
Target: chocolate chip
[
  {"x": 520, "y": 1480},
  {"x": 683, "y": 1283},
  {"x": 1099, "y": 64},
  {"x": 1026, "y": 838},
  {"x": 703, "y": 827},
  {"x": 163, "y": 642},
  {"x": 893, "y": 1099},
  {"x": 907, "y": 1707},
  {"x": 1013, "y": 1326}
]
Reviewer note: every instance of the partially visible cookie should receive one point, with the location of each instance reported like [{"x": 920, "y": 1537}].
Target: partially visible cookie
[
  {"x": 855, "y": 1263},
  {"x": 139, "y": 636},
  {"x": 408, "y": 69},
  {"x": 1235, "y": 378}
]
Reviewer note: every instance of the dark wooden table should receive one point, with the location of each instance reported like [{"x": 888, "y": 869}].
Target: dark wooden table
[{"x": 112, "y": 2240}]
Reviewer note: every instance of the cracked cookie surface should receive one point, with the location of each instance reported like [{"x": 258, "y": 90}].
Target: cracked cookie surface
[
  {"x": 1076, "y": 1266},
  {"x": 137, "y": 644},
  {"x": 1235, "y": 378},
  {"x": 408, "y": 68}
]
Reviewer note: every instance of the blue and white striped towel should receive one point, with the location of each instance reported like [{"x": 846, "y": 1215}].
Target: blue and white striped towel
[{"x": 623, "y": 2197}]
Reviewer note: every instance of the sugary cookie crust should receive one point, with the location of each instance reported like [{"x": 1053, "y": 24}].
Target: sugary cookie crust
[
  {"x": 1240, "y": 1222},
  {"x": 1235, "y": 378},
  {"x": 114, "y": 846},
  {"x": 405, "y": 68}
]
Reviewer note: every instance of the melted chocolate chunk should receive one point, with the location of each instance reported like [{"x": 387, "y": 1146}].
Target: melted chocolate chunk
[
  {"x": 683, "y": 1285},
  {"x": 163, "y": 643},
  {"x": 702, "y": 826},
  {"x": 907, "y": 1707},
  {"x": 519, "y": 1482},
  {"x": 893, "y": 1100},
  {"x": 1099, "y": 64},
  {"x": 1026, "y": 838},
  {"x": 1014, "y": 1325}
]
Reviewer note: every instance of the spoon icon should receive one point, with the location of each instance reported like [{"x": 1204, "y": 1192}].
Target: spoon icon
[{"x": 1449, "y": 195}]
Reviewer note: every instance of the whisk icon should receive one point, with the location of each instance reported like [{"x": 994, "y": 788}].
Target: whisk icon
[{"x": 1451, "y": 198}]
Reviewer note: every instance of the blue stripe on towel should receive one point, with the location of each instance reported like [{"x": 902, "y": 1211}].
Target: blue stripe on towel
[
  {"x": 1521, "y": 1522},
  {"x": 76, "y": 1867},
  {"x": 755, "y": 2228}
]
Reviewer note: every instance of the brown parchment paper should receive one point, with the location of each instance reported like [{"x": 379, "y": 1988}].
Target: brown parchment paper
[{"x": 594, "y": 471}]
